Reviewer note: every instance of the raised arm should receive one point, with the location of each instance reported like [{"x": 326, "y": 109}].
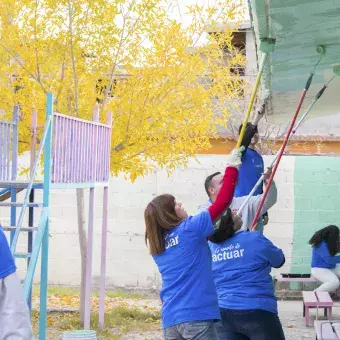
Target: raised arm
[
  {"x": 251, "y": 128},
  {"x": 226, "y": 192}
]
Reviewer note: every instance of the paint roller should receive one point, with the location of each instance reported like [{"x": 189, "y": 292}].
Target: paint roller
[
  {"x": 336, "y": 70},
  {"x": 320, "y": 49}
]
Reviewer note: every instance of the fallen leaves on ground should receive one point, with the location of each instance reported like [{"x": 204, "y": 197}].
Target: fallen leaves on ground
[
  {"x": 122, "y": 315},
  {"x": 71, "y": 302}
]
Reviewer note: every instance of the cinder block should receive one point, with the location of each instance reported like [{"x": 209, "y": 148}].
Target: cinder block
[
  {"x": 278, "y": 230},
  {"x": 147, "y": 280},
  {"x": 146, "y": 184},
  {"x": 122, "y": 280},
  {"x": 139, "y": 200},
  {"x": 176, "y": 188},
  {"x": 127, "y": 227},
  {"x": 126, "y": 213},
  {"x": 282, "y": 216},
  {"x": 60, "y": 273},
  {"x": 138, "y": 262},
  {"x": 63, "y": 198},
  {"x": 128, "y": 260}
]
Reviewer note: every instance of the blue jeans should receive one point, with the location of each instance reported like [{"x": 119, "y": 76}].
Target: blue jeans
[
  {"x": 253, "y": 324},
  {"x": 194, "y": 330}
]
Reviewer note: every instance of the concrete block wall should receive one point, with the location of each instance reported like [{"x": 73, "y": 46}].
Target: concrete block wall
[
  {"x": 281, "y": 217},
  {"x": 129, "y": 263},
  {"x": 317, "y": 203}
]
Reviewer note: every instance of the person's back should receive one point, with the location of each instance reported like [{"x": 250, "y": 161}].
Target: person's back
[
  {"x": 249, "y": 173},
  {"x": 245, "y": 290},
  {"x": 248, "y": 212},
  {"x": 178, "y": 245},
  {"x": 188, "y": 290},
  {"x": 241, "y": 270},
  {"x": 321, "y": 256}
]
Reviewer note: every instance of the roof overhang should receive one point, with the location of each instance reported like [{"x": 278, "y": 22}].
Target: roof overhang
[{"x": 299, "y": 26}]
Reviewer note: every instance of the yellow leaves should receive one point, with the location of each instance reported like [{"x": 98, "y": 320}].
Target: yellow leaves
[
  {"x": 167, "y": 93},
  {"x": 71, "y": 301}
]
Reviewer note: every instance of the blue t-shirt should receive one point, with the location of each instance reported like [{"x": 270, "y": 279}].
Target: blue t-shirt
[
  {"x": 321, "y": 258},
  {"x": 249, "y": 173},
  {"x": 241, "y": 269},
  {"x": 188, "y": 290},
  {"x": 7, "y": 265}
]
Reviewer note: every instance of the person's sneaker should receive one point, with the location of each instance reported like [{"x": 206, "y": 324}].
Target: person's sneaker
[{"x": 334, "y": 296}]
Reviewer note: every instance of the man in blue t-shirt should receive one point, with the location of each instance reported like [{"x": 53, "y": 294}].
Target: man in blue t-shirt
[
  {"x": 250, "y": 171},
  {"x": 14, "y": 314}
]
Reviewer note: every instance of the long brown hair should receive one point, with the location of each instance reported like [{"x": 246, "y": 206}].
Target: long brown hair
[
  {"x": 330, "y": 235},
  {"x": 159, "y": 216}
]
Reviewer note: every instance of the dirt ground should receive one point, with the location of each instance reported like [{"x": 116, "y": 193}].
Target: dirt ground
[
  {"x": 291, "y": 317},
  {"x": 290, "y": 313}
]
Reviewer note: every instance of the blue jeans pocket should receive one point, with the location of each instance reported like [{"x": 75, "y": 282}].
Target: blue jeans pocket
[
  {"x": 240, "y": 321},
  {"x": 198, "y": 330}
]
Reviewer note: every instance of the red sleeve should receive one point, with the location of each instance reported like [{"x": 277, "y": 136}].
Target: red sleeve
[{"x": 226, "y": 193}]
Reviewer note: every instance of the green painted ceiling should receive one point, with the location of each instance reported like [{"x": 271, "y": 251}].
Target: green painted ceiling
[{"x": 298, "y": 26}]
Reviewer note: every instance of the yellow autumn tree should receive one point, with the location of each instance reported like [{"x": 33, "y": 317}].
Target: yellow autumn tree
[{"x": 168, "y": 83}]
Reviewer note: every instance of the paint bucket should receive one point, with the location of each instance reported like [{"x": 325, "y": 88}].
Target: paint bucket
[{"x": 79, "y": 335}]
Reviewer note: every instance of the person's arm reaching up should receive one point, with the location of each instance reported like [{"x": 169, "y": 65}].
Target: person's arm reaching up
[
  {"x": 226, "y": 192},
  {"x": 251, "y": 128},
  {"x": 255, "y": 201}
]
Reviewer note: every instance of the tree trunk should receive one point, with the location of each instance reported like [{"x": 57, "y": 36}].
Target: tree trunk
[{"x": 83, "y": 247}]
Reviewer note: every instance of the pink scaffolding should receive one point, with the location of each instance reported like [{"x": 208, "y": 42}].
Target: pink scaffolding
[{"x": 81, "y": 159}]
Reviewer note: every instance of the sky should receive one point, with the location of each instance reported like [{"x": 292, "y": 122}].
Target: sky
[
  {"x": 178, "y": 11},
  {"x": 179, "y": 8}
]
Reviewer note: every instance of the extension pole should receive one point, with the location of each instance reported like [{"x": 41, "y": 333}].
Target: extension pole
[
  {"x": 303, "y": 95},
  {"x": 266, "y": 46},
  {"x": 258, "y": 183},
  {"x": 252, "y": 98}
]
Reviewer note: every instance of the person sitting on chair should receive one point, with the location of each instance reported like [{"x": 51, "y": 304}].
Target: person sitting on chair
[{"x": 325, "y": 263}]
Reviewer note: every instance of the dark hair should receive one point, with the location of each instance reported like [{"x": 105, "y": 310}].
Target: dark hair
[
  {"x": 208, "y": 181},
  {"x": 225, "y": 228},
  {"x": 240, "y": 128},
  {"x": 330, "y": 235},
  {"x": 159, "y": 216}
]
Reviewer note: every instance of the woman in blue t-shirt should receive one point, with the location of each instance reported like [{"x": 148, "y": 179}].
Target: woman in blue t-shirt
[
  {"x": 242, "y": 263},
  {"x": 178, "y": 245},
  {"x": 326, "y": 245}
]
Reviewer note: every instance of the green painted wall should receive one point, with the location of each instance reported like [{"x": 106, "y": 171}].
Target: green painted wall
[
  {"x": 299, "y": 26},
  {"x": 317, "y": 204}
]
